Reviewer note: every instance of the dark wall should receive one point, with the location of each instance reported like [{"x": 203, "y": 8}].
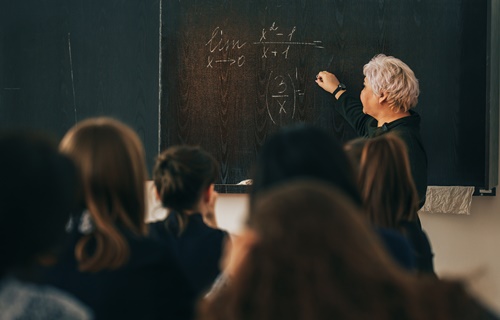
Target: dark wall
[
  {"x": 238, "y": 70},
  {"x": 63, "y": 61}
]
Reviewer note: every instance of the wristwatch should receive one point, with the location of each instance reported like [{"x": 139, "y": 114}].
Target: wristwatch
[{"x": 340, "y": 87}]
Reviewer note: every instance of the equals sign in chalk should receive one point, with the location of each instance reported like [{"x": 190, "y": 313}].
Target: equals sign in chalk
[{"x": 318, "y": 44}]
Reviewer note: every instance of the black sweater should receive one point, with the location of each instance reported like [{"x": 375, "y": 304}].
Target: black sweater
[
  {"x": 407, "y": 128},
  {"x": 151, "y": 285},
  {"x": 198, "y": 248}
]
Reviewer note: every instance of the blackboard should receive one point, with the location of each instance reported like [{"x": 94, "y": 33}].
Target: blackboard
[
  {"x": 234, "y": 72},
  {"x": 62, "y": 61},
  {"x": 161, "y": 67}
]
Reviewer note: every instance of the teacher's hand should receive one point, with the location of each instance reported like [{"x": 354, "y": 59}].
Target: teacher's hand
[{"x": 328, "y": 81}]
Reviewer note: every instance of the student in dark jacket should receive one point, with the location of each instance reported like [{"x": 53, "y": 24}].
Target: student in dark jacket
[
  {"x": 184, "y": 178},
  {"x": 305, "y": 151},
  {"x": 31, "y": 230},
  {"x": 110, "y": 264},
  {"x": 385, "y": 105},
  {"x": 389, "y": 194}
]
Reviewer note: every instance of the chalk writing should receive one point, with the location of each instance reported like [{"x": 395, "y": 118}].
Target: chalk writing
[
  {"x": 280, "y": 88},
  {"x": 277, "y": 42},
  {"x": 282, "y": 96},
  {"x": 273, "y": 40},
  {"x": 219, "y": 43}
]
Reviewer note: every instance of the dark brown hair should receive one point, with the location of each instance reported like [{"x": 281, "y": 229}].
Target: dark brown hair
[
  {"x": 110, "y": 158},
  {"x": 304, "y": 151},
  {"x": 385, "y": 180},
  {"x": 181, "y": 174},
  {"x": 37, "y": 194},
  {"x": 316, "y": 258}
]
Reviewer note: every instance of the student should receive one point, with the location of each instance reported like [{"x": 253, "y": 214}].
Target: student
[
  {"x": 305, "y": 151},
  {"x": 389, "y": 194},
  {"x": 299, "y": 151},
  {"x": 184, "y": 178},
  {"x": 110, "y": 264},
  {"x": 326, "y": 264},
  {"x": 37, "y": 192},
  {"x": 386, "y": 105}
]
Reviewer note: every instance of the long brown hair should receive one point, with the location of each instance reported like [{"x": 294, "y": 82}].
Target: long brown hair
[
  {"x": 385, "y": 180},
  {"x": 317, "y": 258},
  {"x": 111, "y": 161}
]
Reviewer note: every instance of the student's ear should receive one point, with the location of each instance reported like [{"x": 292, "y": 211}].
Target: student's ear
[
  {"x": 208, "y": 193},
  {"x": 157, "y": 194},
  {"x": 209, "y": 198}
]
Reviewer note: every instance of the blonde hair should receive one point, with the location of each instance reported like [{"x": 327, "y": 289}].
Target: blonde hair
[
  {"x": 110, "y": 158},
  {"x": 392, "y": 76}
]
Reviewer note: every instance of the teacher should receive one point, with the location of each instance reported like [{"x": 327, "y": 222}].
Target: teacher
[{"x": 390, "y": 92}]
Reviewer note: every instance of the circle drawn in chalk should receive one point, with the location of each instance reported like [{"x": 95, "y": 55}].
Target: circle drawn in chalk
[{"x": 281, "y": 97}]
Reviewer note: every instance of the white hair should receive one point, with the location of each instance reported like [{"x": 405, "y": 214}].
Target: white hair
[{"x": 392, "y": 76}]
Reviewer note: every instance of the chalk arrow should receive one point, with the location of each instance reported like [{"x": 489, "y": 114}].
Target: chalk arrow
[{"x": 231, "y": 61}]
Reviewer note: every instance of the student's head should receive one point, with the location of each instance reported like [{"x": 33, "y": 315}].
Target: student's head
[
  {"x": 313, "y": 256},
  {"x": 389, "y": 75},
  {"x": 354, "y": 149},
  {"x": 37, "y": 194},
  {"x": 303, "y": 151},
  {"x": 308, "y": 220},
  {"x": 183, "y": 175},
  {"x": 385, "y": 179},
  {"x": 110, "y": 158}
]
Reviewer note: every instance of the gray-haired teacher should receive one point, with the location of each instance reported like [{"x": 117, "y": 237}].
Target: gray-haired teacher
[{"x": 390, "y": 92}]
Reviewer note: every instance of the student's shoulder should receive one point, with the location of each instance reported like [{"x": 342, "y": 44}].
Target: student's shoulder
[
  {"x": 157, "y": 228},
  {"x": 145, "y": 249},
  {"x": 215, "y": 234},
  {"x": 397, "y": 246},
  {"x": 198, "y": 227},
  {"x": 159, "y": 224},
  {"x": 25, "y": 300}
]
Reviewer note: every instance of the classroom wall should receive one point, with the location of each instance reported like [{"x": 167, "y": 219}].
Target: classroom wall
[{"x": 467, "y": 246}]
